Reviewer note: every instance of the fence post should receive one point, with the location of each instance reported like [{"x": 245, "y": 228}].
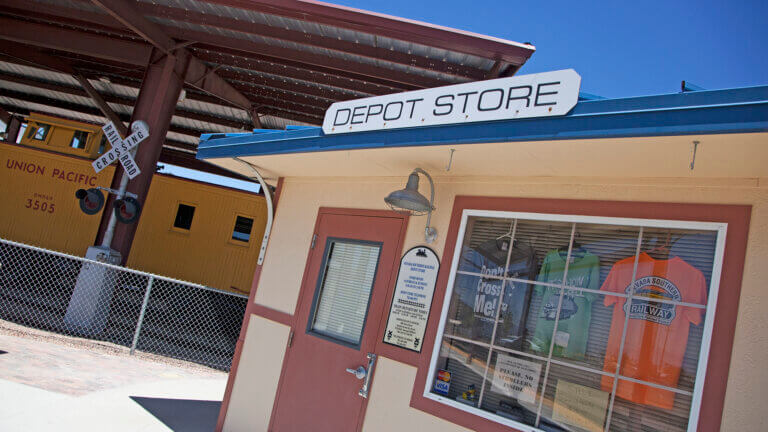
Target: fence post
[{"x": 141, "y": 314}]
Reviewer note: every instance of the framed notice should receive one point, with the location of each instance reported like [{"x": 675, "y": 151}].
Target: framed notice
[{"x": 412, "y": 301}]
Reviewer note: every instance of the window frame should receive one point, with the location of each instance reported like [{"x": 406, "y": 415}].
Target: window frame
[
  {"x": 735, "y": 216},
  {"x": 233, "y": 241},
  {"x": 85, "y": 146},
  {"x": 46, "y": 127},
  {"x": 180, "y": 230},
  {"x": 319, "y": 286}
]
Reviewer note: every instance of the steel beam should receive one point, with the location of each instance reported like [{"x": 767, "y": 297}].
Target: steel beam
[
  {"x": 103, "y": 107},
  {"x": 288, "y": 109},
  {"x": 276, "y": 105},
  {"x": 309, "y": 58},
  {"x": 30, "y": 56},
  {"x": 95, "y": 21},
  {"x": 345, "y": 77},
  {"x": 56, "y": 103},
  {"x": 197, "y": 74},
  {"x": 273, "y": 66},
  {"x": 109, "y": 98},
  {"x": 157, "y": 100},
  {"x": 59, "y": 38},
  {"x": 134, "y": 20}
]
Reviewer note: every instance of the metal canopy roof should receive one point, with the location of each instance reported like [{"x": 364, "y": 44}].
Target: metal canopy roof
[{"x": 285, "y": 61}]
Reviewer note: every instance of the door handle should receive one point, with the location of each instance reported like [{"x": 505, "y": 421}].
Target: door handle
[
  {"x": 366, "y": 384},
  {"x": 359, "y": 373}
]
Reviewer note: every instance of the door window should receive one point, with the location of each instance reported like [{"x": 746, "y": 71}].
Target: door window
[{"x": 344, "y": 290}]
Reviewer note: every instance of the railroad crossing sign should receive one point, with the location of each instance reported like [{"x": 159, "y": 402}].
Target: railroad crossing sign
[{"x": 121, "y": 148}]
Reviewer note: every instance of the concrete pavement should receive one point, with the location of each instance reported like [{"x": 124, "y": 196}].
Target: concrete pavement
[{"x": 55, "y": 383}]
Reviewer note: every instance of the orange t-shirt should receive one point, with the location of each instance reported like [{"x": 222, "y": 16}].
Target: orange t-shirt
[{"x": 657, "y": 333}]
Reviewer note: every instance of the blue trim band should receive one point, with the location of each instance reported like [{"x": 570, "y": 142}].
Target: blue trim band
[{"x": 702, "y": 112}]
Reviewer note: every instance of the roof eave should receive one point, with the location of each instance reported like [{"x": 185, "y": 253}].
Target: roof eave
[{"x": 711, "y": 112}]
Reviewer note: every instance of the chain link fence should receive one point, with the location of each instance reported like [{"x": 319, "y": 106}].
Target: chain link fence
[{"x": 75, "y": 296}]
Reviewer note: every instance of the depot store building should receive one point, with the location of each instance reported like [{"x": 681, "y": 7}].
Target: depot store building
[{"x": 648, "y": 214}]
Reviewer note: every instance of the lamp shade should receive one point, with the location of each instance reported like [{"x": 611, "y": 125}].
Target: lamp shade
[{"x": 409, "y": 198}]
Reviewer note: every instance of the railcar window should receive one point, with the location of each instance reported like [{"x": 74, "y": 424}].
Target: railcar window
[
  {"x": 184, "y": 216},
  {"x": 79, "y": 139},
  {"x": 41, "y": 132},
  {"x": 242, "y": 231},
  {"x": 103, "y": 144}
]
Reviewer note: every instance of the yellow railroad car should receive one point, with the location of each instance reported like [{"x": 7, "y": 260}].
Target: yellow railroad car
[
  {"x": 200, "y": 232},
  {"x": 188, "y": 230},
  {"x": 37, "y": 191}
]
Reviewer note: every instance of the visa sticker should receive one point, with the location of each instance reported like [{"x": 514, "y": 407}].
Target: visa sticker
[{"x": 442, "y": 382}]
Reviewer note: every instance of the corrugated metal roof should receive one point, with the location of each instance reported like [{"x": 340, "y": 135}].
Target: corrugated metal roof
[
  {"x": 290, "y": 64},
  {"x": 328, "y": 31},
  {"x": 18, "y": 106},
  {"x": 37, "y": 91},
  {"x": 280, "y": 44},
  {"x": 38, "y": 73}
]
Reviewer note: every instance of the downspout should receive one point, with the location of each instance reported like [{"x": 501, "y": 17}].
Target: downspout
[{"x": 270, "y": 208}]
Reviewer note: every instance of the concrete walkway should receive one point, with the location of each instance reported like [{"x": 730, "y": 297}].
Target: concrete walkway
[{"x": 55, "y": 383}]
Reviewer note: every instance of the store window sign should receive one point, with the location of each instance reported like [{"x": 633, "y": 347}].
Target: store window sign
[
  {"x": 412, "y": 301},
  {"x": 582, "y": 407},
  {"x": 516, "y": 378},
  {"x": 537, "y": 95}
]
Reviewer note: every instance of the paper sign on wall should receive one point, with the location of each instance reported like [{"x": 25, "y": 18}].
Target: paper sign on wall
[
  {"x": 412, "y": 301},
  {"x": 516, "y": 378},
  {"x": 580, "y": 406}
]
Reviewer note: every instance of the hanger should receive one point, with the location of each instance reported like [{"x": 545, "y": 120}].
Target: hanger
[
  {"x": 576, "y": 245},
  {"x": 507, "y": 234},
  {"x": 664, "y": 247}
]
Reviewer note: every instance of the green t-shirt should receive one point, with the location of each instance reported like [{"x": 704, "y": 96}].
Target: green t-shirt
[{"x": 576, "y": 311}]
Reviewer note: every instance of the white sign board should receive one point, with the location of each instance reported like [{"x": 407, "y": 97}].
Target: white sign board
[
  {"x": 120, "y": 150},
  {"x": 516, "y": 378},
  {"x": 413, "y": 299},
  {"x": 536, "y": 95}
]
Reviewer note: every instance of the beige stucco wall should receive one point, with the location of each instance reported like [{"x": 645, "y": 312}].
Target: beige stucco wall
[
  {"x": 254, "y": 391},
  {"x": 301, "y": 197}
]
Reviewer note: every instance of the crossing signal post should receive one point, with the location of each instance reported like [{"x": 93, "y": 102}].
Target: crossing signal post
[{"x": 88, "y": 308}]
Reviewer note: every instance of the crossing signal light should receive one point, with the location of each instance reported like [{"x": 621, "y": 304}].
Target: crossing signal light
[
  {"x": 127, "y": 210},
  {"x": 91, "y": 200}
]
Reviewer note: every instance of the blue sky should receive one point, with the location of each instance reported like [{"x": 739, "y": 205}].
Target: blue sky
[{"x": 619, "y": 48}]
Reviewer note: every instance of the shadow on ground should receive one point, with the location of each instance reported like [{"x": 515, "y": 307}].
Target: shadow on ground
[{"x": 182, "y": 415}]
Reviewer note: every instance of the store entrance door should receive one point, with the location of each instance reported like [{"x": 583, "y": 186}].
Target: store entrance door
[{"x": 328, "y": 370}]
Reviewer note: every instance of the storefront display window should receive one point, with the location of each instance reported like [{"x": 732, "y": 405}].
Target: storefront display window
[{"x": 575, "y": 323}]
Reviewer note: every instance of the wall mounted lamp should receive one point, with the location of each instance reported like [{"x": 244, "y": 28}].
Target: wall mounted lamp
[{"x": 411, "y": 201}]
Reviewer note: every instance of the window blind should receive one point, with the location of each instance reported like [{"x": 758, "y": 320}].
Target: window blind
[{"x": 346, "y": 286}]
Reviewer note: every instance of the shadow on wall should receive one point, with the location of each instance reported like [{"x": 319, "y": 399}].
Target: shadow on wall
[{"x": 182, "y": 414}]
